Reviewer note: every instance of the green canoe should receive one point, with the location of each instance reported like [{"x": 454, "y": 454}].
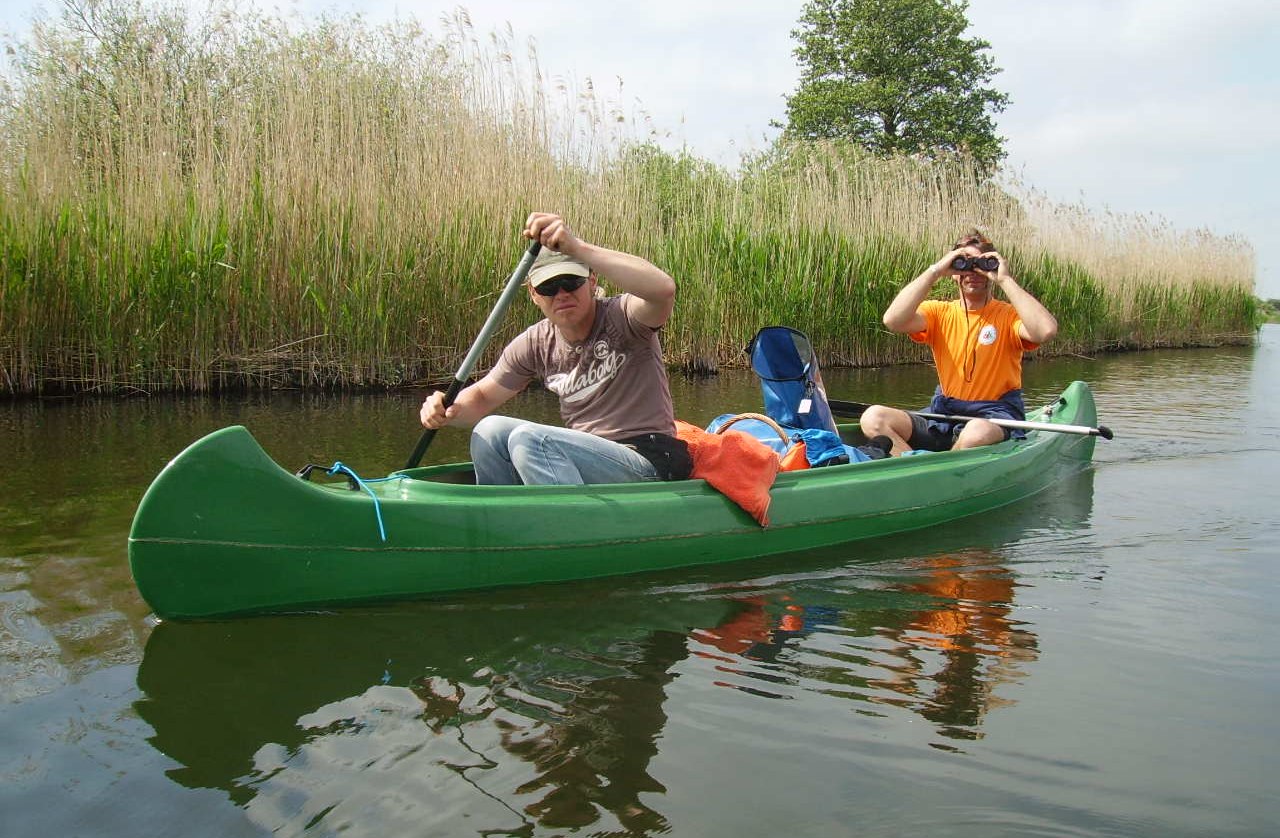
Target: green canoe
[{"x": 223, "y": 529}]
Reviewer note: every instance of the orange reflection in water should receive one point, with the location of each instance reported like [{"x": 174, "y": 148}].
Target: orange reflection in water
[{"x": 943, "y": 661}]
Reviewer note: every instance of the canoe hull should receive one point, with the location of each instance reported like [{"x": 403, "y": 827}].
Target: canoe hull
[{"x": 223, "y": 529}]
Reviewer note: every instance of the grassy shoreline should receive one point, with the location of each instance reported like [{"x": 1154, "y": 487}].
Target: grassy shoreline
[{"x": 231, "y": 203}]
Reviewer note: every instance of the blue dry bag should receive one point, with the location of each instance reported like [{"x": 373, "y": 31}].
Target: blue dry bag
[
  {"x": 784, "y": 360},
  {"x": 794, "y": 397}
]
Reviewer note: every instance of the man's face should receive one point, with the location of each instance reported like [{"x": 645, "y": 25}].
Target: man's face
[
  {"x": 565, "y": 308},
  {"x": 972, "y": 282}
]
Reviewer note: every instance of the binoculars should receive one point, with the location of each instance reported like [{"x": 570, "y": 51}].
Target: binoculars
[{"x": 975, "y": 263}]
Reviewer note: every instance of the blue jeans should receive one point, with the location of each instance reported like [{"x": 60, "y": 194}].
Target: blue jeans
[{"x": 508, "y": 452}]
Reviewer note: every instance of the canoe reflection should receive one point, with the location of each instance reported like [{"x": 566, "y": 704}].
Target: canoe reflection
[
  {"x": 324, "y": 716},
  {"x": 546, "y": 707}
]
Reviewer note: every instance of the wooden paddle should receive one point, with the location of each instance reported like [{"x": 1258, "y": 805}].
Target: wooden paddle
[
  {"x": 853, "y": 410},
  {"x": 481, "y": 341}
]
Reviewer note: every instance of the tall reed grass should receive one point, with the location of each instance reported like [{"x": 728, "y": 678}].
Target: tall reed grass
[{"x": 237, "y": 200}]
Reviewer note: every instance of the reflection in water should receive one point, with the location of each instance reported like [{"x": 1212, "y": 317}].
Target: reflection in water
[
  {"x": 936, "y": 637},
  {"x": 493, "y": 749},
  {"x": 977, "y": 645},
  {"x": 508, "y": 712},
  {"x": 594, "y": 753},
  {"x": 942, "y": 659},
  {"x": 515, "y": 713}
]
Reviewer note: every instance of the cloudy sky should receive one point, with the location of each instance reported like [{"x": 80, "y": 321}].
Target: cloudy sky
[{"x": 1165, "y": 107}]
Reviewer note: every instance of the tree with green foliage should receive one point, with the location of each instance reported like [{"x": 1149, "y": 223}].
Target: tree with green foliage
[{"x": 895, "y": 76}]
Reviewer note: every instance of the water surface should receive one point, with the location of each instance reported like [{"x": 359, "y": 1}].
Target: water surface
[{"x": 1096, "y": 660}]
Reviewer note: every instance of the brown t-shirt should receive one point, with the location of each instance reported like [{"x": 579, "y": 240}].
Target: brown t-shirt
[{"x": 613, "y": 384}]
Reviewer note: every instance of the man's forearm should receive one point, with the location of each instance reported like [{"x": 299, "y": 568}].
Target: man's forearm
[
  {"x": 1040, "y": 325},
  {"x": 629, "y": 273},
  {"x": 902, "y": 313}
]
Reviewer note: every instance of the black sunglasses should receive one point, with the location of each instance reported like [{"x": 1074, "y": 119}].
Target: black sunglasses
[{"x": 569, "y": 282}]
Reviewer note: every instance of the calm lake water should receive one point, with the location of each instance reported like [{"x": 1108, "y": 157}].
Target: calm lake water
[{"x": 1098, "y": 660}]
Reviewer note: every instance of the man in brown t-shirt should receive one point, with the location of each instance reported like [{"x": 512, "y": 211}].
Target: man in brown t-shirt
[{"x": 600, "y": 356}]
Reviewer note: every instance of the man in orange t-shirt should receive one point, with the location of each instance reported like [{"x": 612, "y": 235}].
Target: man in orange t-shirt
[{"x": 977, "y": 343}]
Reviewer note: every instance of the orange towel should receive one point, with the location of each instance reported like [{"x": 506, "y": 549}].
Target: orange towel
[{"x": 736, "y": 464}]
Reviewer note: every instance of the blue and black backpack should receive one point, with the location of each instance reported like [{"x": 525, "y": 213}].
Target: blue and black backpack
[
  {"x": 791, "y": 383},
  {"x": 784, "y": 360}
]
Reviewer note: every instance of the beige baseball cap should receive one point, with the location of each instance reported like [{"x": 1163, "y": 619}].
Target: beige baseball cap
[{"x": 551, "y": 264}]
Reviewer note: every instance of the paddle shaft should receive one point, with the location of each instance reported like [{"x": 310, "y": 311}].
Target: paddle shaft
[
  {"x": 477, "y": 347},
  {"x": 856, "y": 409}
]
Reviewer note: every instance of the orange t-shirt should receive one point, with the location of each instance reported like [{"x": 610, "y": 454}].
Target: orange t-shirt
[{"x": 978, "y": 353}]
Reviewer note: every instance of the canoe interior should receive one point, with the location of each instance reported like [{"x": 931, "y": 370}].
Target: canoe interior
[{"x": 463, "y": 474}]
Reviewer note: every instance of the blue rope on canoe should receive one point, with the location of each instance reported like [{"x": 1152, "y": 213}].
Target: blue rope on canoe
[{"x": 339, "y": 468}]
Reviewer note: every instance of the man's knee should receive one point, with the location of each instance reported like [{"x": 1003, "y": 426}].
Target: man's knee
[
  {"x": 495, "y": 430},
  {"x": 978, "y": 432},
  {"x": 874, "y": 419},
  {"x": 487, "y": 426},
  {"x": 879, "y": 419},
  {"x": 526, "y": 437}
]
